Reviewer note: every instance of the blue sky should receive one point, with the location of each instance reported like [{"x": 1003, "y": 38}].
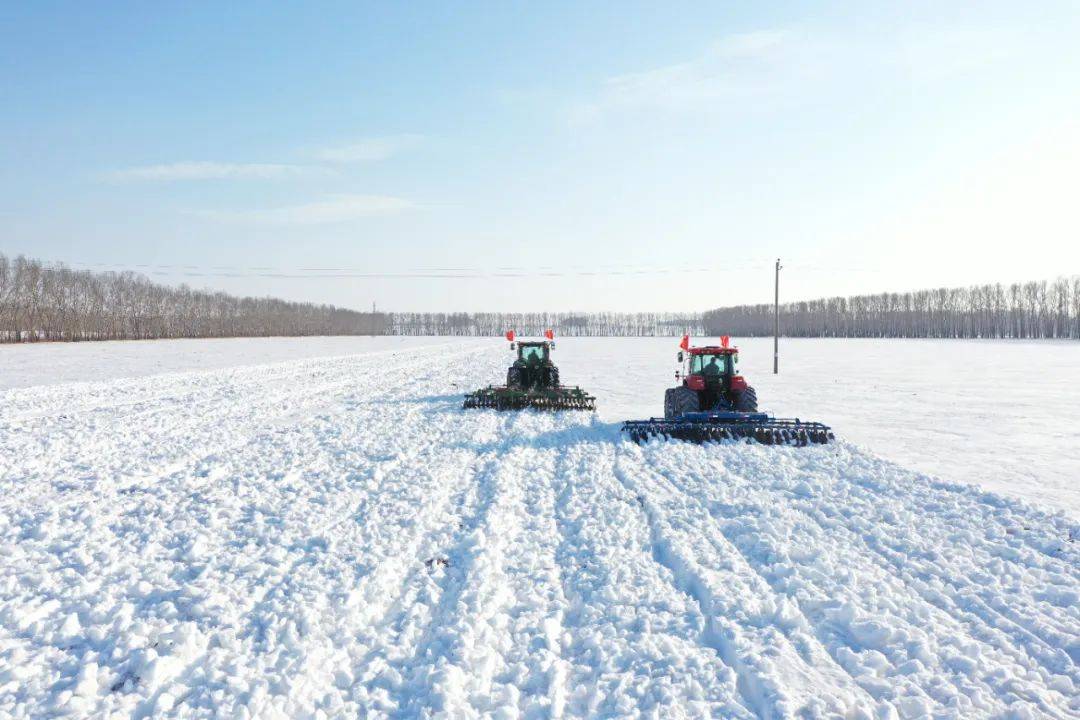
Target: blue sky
[{"x": 620, "y": 156}]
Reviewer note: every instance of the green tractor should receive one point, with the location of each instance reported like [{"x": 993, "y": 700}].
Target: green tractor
[{"x": 532, "y": 381}]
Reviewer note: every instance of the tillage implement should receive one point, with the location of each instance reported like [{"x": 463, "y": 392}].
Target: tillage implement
[
  {"x": 714, "y": 402},
  {"x": 531, "y": 382}
]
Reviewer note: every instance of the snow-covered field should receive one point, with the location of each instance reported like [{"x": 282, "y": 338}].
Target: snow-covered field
[
  {"x": 1004, "y": 415},
  {"x": 331, "y": 535}
]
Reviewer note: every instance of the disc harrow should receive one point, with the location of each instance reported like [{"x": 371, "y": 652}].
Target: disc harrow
[
  {"x": 718, "y": 427},
  {"x": 505, "y": 398}
]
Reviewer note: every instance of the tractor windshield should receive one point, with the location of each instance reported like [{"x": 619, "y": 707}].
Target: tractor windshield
[
  {"x": 708, "y": 364},
  {"x": 533, "y": 355}
]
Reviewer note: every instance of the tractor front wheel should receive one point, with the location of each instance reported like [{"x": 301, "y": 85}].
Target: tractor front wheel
[
  {"x": 680, "y": 400},
  {"x": 553, "y": 377},
  {"x": 513, "y": 377}
]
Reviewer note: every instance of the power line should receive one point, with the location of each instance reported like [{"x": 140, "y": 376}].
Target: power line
[{"x": 435, "y": 273}]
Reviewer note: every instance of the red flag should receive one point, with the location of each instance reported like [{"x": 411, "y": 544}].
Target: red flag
[
  {"x": 724, "y": 340},
  {"x": 510, "y": 335},
  {"x": 549, "y": 334},
  {"x": 685, "y": 344}
]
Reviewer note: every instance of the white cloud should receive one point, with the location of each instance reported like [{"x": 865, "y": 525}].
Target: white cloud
[
  {"x": 332, "y": 209},
  {"x": 736, "y": 65},
  {"x": 205, "y": 170},
  {"x": 745, "y": 68},
  {"x": 368, "y": 149},
  {"x": 363, "y": 150}
]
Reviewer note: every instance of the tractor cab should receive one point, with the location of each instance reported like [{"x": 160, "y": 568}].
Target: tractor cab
[
  {"x": 533, "y": 353},
  {"x": 712, "y": 372},
  {"x": 533, "y": 367}
]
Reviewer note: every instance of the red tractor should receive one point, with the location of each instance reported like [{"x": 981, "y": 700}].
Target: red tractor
[
  {"x": 713, "y": 403},
  {"x": 710, "y": 382}
]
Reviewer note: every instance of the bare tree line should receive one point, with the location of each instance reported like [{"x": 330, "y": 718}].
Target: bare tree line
[
  {"x": 565, "y": 324},
  {"x": 41, "y": 302},
  {"x": 1038, "y": 309}
]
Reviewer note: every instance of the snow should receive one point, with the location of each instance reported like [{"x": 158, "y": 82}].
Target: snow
[
  {"x": 330, "y": 535},
  {"x": 1004, "y": 415},
  {"x": 53, "y": 363}
]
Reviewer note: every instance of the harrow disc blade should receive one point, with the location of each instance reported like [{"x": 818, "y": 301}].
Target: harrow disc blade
[
  {"x": 504, "y": 398},
  {"x": 704, "y": 428}
]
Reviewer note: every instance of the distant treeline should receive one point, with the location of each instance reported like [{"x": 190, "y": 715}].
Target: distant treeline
[
  {"x": 47, "y": 302},
  {"x": 607, "y": 324},
  {"x": 1022, "y": 310},
  {"x": 39, "y": 301}
]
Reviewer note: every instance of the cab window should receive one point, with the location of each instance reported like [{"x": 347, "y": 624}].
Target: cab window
[
  {"x": 532, "y": 354},
  {"x": 708, "y": 364}
]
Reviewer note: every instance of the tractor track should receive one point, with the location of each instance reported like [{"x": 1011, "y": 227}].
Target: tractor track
[
  {"x": 744, "y": 620},
  {"x": 600, "y": 580},
  {"x": 819, "y": 616},
  {"x": 980, "y": 623},
  {"x": 69, "y": 463}
]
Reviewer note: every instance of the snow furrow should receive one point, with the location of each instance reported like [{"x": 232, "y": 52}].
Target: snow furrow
[
  {"x": 869, "y": 631},
  {"x": 268, "y": 460},
  {"x": 1053, "y": 647},
  {"x": 781, "y": 671},
  {"x": 180, "y": 435},
  {"x": 633, "y": 647},
  {"x": 471, "y": 600}
]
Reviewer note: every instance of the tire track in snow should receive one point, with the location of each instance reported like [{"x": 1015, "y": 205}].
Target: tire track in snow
[
  {"x": 259, "y": 460},
  {"x": 751, "y": 513},
  {"x": 390, "y": 624},
  {"x": 197, "y": 425},
  {"x": 761, "y": 635},
  {"x": 505, "y": 654},
  {"x": 253, "y": 428},
  {"x": 457, "y": 664},
  {"x": 980, "y": 622},
  {"x": 305, "y": 619},
  {"x": 633, "y": 647},
  {"x": 188, "y": 484},
  {"x": 308, "y": 614},
  {"x": 985, "y": 561},
  {"x": 79, "y": 397},
  {"x": 537, "y": 627},
  {"x": 985, "y": 623}
]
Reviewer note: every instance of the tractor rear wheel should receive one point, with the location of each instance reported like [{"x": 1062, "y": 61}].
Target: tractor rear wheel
[
  {"x": 553, "y": 377},
  {"x": 745, "y": 401},
  {"x": 513, "y": 377},
  {"x": 679, "y": 401}
]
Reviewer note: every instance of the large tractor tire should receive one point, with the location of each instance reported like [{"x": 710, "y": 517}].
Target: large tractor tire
[
  {"x": 552, "y": 377},
  {"x": 679, "y": 401},
  {"x": 513, "y": 377},
  {"x": 745, "y": 401}
]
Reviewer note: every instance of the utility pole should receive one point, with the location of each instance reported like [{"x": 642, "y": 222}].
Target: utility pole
[{"x": 776, "y": 322}]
